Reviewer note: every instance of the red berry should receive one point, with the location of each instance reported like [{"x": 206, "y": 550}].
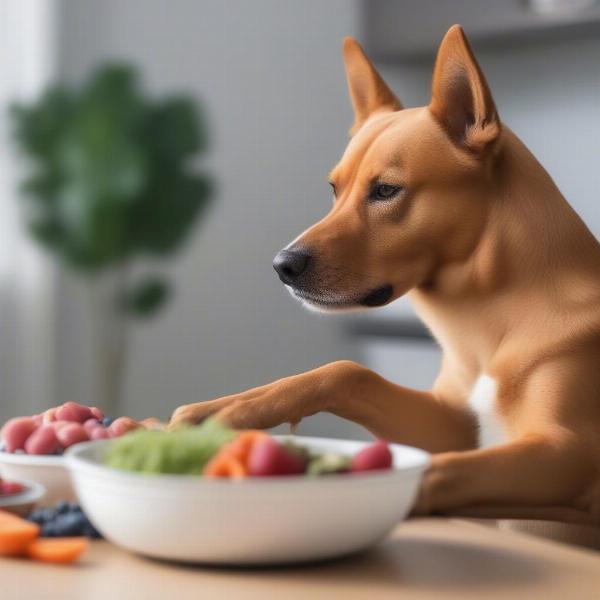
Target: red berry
[
  {"x": 71, "y": 411},
  {"x": 374, "y": 457},
  {"x": 96, "y": 413},
  {"x": 99, "y": 433},
  {"x": 8, "y": 488},
  {"x": 49, "y": 416},
  {"x": 42, "y": 441},
  {"x": 58, "y": 425},
  {"x": 72, "y": 433},
  {"x": 16, "y": 431},
  {"x": 90, "y": 425},
  {"x": 268, "y": 458},
  {"x": 122, "y": 425}
]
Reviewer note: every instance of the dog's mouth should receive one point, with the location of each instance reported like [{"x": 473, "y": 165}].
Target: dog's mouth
[{"x": 376, "y": 297}]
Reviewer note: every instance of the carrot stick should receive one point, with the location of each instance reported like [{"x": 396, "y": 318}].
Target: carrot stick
[
  {"x": 15, "y": 534},
  {"x": 232, "y": 459},
  {"x": 57, "y": 550},
  {"x": 224, "y": 465},
  {"x": 242, "y": 445}
]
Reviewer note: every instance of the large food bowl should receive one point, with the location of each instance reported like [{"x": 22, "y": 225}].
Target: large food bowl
[
  {"x": 252, "y": 521},
  {"x": 50, "y": 471}
]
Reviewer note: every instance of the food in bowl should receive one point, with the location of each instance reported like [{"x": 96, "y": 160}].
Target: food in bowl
[
  {"x": 56, "y": 429},
  {"x": 185, "y": 451},
  {"x": 49, "y": 471},
  {"x": 252, "y": 520},
  {"x": 33, "y": 446},
  {"x": 215, "y": 451},
  {"x": 10, "y": 488},
  {"x": 20, "y": 497}
]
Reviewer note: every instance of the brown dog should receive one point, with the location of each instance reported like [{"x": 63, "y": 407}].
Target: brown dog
[{"x": 444, "y": 202}]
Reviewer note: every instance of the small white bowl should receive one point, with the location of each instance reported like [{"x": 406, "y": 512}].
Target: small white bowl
[
  {"x": 49, "y": 471},
  {"x": 22, "y": 503},
  {"x": 252, "y": 521}
]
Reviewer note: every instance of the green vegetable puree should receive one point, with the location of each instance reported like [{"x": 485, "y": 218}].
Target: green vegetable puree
[{"x": 184, "y": 452}]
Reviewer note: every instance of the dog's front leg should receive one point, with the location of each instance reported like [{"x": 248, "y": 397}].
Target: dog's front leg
[
  {"x": 286, "y": 400},
  {"x": 353, "y": 392},
  {"x": 537, "y": 476}
]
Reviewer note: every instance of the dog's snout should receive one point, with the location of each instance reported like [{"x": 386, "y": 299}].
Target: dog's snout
[{"x": 290, "y": 264}]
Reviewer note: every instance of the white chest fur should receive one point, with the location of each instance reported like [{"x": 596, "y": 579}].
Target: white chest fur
[{"x": 482, "y": 400}]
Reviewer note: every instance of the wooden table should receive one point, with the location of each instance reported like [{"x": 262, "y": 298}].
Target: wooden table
[{"x": 426, "y": 558}]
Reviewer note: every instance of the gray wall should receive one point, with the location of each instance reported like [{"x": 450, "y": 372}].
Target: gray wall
[{"x": 270, "y": 75}]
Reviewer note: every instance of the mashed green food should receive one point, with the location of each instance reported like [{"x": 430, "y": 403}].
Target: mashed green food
[{"x": 183, "y": 452}]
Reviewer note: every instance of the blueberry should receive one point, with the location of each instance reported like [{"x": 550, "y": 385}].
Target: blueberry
[
  {"x": 90, "y": 531},
  {"x": 87, "y": 531},
  {"x": 48, "y": 514},
  {"x": 106, "y": 421},
  {"x": 88, "y": 528},
  {"x": 49, "y": 530},
  {"x": 70, "y": 524},
  {"x": 37, "y": 516},
  {"x": 64, "y": 520}
]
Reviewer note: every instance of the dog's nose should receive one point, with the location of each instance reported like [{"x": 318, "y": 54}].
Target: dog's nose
[{"x": 290, "y": 264}]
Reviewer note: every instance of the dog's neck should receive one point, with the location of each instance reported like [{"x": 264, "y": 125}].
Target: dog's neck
[{"x": 534, "y": 253}]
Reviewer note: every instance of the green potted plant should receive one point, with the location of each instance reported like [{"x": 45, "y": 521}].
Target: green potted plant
[{"x": 110, "y": 185}]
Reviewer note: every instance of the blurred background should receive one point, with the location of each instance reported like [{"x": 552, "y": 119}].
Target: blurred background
[{"x": 254, "y": 105}]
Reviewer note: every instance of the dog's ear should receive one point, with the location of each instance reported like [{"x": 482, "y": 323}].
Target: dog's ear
[
  {"x": 368, "y": 92},
  {"x": 461, "y": 100}
]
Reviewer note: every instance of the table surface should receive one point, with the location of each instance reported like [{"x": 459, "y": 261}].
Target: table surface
[{"x": 424, "y": 558}]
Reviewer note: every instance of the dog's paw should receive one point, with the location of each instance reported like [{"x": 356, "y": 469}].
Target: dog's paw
[
  {"x": 589, "y": 502},
  {"x": 256, "y": 413},
  {"x": 153, "y": 424},
  {"x": 438, "y": 490},
  {"x": 423, "y": 503},
  {"x": 188, "y": 414},
  {"x": 192, "y": 414}
]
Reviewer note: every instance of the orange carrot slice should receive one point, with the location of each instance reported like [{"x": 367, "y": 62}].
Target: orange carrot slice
[
  {"x": 15, "y": 534},
  {"x": 232, "y": 458},
  {"x": 224, "y": 465},
  {"x": 242, "y": 445},
  {"x": 57, "y": 550}
]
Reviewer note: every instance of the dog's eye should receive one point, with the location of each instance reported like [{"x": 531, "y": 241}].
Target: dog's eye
[{"x": 384, "y": 191}]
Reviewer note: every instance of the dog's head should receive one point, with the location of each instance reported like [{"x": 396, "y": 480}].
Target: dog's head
[{"x": 409, "y": 191}]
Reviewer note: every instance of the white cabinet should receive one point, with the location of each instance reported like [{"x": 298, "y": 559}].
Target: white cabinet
[
  {"x": 409, "y": 362},
  {"x": 404, "y": 29}
]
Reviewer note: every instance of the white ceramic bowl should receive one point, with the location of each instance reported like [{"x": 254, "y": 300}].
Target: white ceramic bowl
[
  {"x": 50, "y": 471},
  {"x": 22, "y": 503},
  {"x": 253, "y": 521}
]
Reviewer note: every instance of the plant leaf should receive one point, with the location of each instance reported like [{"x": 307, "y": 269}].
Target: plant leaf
[
  {"x": 146, "y": 297},
  {"x": 169, "y": 214},
  {"x": 109, "y": 177},
  {"x": 173, "y": 130}
]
